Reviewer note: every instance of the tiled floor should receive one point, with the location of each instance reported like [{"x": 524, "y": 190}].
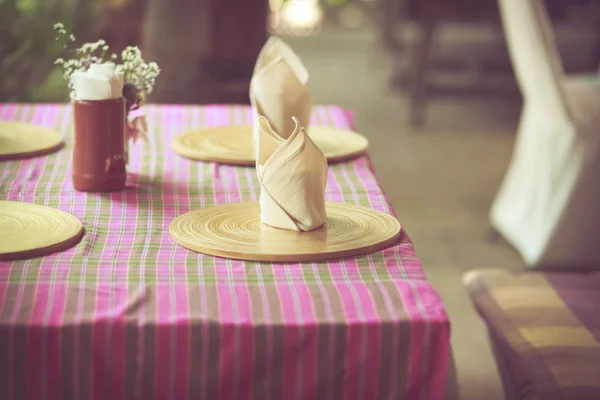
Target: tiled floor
[{"x": 441, "y": 180}]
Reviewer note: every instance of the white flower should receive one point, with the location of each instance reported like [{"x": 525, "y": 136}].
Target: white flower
[
  {"x": 71, "y": 63},
  {"x": 60, "y": 28},
  {"x": 153, "y": 67},
  {"x": 85, "y": 48},
  {"x": 88, "y": 48},
  {"x": 72, "y": 38},
  {"x": 59, "y": 61},
  {"x": 131, "y": 53},
  {"x": 139, "y": 73}
]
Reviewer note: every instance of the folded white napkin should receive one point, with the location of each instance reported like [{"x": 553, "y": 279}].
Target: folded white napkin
[
  {"x": 292, "y": 173},
  {"x": 279, "y": 88},
  {"x": 99, "y": 82}
]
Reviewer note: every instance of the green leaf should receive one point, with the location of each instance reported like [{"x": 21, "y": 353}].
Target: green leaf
[{"x": 28, "y": 5}]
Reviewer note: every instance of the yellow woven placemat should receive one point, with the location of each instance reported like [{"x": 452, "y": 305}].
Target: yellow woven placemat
[
  {"x": 30, "y": 230},
  {"x": 235, "y": 231},
  {"x": 20, "y": 140},
  {"x": 233, "y": 144}
]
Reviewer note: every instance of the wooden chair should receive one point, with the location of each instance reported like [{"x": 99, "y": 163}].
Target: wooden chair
[{"x": 429, "y": 16}]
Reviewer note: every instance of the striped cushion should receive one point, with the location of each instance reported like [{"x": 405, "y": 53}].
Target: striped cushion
[{"x": 545, "y": 329}]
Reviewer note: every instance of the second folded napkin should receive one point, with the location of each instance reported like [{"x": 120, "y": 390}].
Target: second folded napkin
[
  {"x": 293, "y": 174},
  {"x": 279, "y": 88}
]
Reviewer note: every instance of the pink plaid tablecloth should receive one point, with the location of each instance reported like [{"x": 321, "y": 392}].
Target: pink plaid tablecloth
[{"x": 127, "y": 314}]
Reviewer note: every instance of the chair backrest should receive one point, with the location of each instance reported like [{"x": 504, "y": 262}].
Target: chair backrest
[{"x": 534, "y": 54}]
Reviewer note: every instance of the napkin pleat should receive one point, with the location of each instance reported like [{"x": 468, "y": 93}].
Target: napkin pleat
[
  {"x": 292, "y": 174},
  {"x": 279, "y": 88}
]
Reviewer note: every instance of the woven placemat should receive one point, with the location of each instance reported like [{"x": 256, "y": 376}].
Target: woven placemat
[
  {"x": 20, "y": 140},
  {"x": 235, "y": 231},
  {"x": 30, "y": 230},
  {"x": 233, "y": 144}
]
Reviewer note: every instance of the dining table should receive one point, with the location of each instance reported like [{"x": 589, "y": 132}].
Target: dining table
[{"x": 129, "y": 314}]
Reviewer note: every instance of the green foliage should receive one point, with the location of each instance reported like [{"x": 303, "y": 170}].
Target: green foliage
[{"x": 28, "y": 48}]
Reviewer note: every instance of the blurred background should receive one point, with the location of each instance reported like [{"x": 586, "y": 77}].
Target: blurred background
[
  {"x": 430, "y": 82},
  {"x": 432, "y": 47}
]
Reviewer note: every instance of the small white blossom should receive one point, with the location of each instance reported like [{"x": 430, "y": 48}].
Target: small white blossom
[
  {"x": 153, "y": 68},
  {"x": 72, "y": 38},
  {"x": 60, "y": 28},
  {"x": 131, "y": 53},
  {"x": 59, "y": 61}
]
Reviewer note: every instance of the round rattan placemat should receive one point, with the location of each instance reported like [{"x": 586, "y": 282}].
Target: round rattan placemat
[
  {"x": 233, "y": 144},
  {"x": 30, "y": 230},
  {"x": 235, "y": 231},
  {"x": 20, "y": 140}
]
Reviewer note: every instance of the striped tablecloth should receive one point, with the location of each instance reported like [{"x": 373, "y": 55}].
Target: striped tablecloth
[{"x": 127, "y": 314}]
